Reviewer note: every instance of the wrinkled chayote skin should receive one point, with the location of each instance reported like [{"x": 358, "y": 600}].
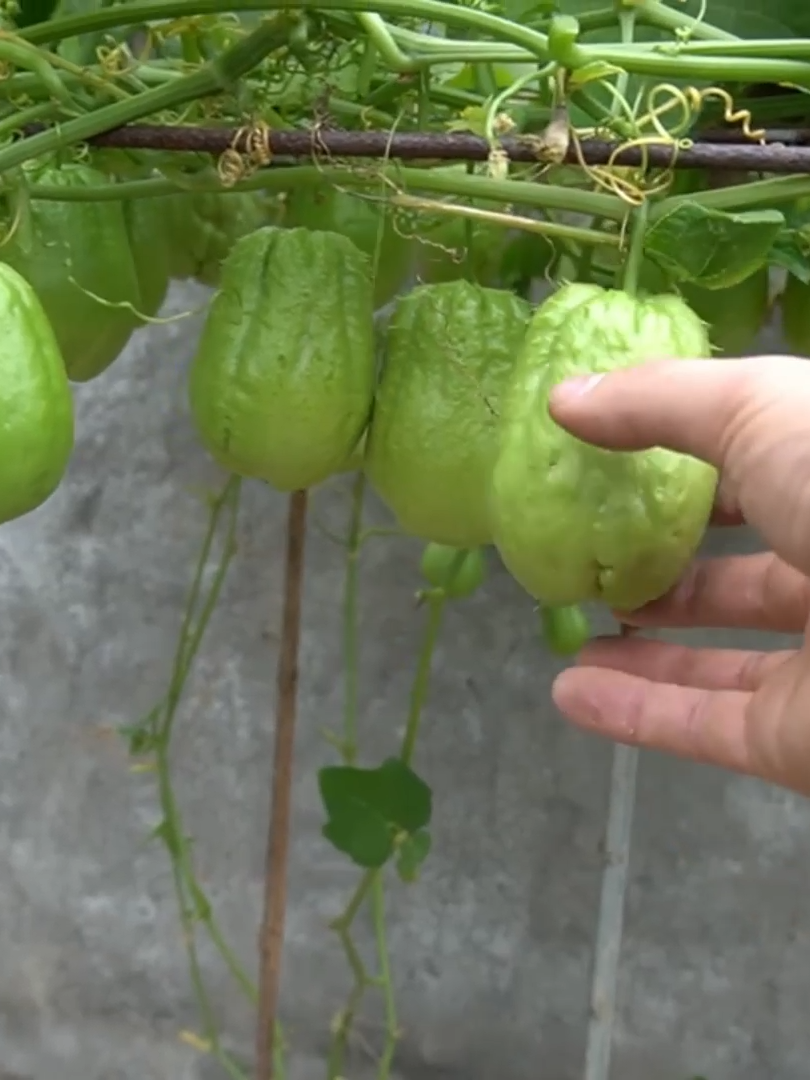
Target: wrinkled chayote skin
[
  {"x": 202, "y": 227},
  {"x": 146, "y": 228},
  {"x": 36, "y": 430},
  {"x": 451, "y": 348},
  {"x": 734, "y": 315},
  {"x": 282, "y": 384},
  {"x": 366, "y": 223},
  {"x": 574, "y": 523},
  {"x": 76, "y": 255}
]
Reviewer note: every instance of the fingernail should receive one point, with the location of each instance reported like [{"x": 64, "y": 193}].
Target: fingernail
[{"x": 575, "y": 388}]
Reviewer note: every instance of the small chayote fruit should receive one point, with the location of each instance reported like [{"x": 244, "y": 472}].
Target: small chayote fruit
[{"x": 575, "y": 523}]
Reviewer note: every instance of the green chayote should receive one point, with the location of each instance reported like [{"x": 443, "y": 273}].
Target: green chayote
[
  {"x": 451, "y": 348},
  {"x": 76, "y": 255},
  {"x": 573, "y": 522},
  {"x": 36, "y": 433},
  {"x": 282, "y": 384}
]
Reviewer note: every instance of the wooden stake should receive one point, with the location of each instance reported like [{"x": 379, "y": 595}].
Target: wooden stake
[{"x": 271, "y": 937}]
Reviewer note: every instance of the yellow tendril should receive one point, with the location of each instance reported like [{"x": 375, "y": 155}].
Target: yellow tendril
[
  {"x": 231, "y": 167},
  {"x": 690, "y": 101},
  {"x": 687, "y": 103},
  {"x": 731, "y": 115},
  {"x": 608, "y": 180},
  {"x": 8, "y": 235},
  {"x": 114, "y": 60},
  {"x": 249, "y": 150}
]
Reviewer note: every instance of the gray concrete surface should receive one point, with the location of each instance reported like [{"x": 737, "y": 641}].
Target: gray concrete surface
[{"x": 492, "y": 948}]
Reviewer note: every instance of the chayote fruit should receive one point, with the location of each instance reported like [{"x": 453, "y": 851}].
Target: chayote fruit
[
  {"x": 366, "y": 222},
  {"x": 146, "y": 229},
  {"x": 458, "y": 572},
  {"x": 282, "y": 383},
  {"x": 203, "y": 226},
  {"x": 734, "y": 316},
  {"x": 36, "y": 433},
  {"x": 573, "y": 522},
  {"x": 451, "y": 348},
  {"x": 76, "y": 255}
]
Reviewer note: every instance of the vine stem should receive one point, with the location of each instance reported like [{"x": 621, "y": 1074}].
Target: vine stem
[
  {"x": 519, "y": 192},
  {"x": 347, "y": 746},
  {"x": 350, "y": 622},
  {"x": 271, "y": 939},
  {"x": 194, "y": 907},
  {"x": 436, "y": 604},
  {"x": 629, "y": 273},
  {"x": 641, "y": 59},
  {"x": 212, "y": 78},
  {"x": 362, "y": 979},
  {"x": 384, "y": 966},
  {"x": 142, "y": 11},
  {"x": 655, "y": 13},
  {"x": 372, "y": 882},
  {"x": 573, "y": 233}
]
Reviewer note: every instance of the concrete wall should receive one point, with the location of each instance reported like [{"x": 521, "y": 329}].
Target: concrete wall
[{"x": 492, "y": 949}]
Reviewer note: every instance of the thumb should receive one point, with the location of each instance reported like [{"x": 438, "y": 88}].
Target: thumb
[
  {"x": 692, "y": 406},
  {"x": 746, "y": 417}
]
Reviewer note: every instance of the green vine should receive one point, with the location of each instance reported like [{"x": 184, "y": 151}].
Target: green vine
[{"x": 151, "y": 739}]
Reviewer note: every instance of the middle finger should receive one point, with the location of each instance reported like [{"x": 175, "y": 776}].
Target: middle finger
[
  {"x": 704, "y": 669},
  {"x": 745, "y": 592}
]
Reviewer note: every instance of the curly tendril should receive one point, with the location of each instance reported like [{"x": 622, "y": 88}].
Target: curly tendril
[
  {"x": 687, "y": 103},
  {"x": 249, "y": 150},
  {"x": 691, "y": 101},
  {"x": 115, "y": 60}
]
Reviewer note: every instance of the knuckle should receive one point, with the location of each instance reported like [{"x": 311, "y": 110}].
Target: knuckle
[{"x": 753, "y": 669}]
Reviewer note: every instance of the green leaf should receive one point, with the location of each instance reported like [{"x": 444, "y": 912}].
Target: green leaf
[
  {"x": 790, "y": 252},
  {"x": 710, "y": 247},
  {"x": 791, "y": 248},
  {"x": 357, "y": 831},
  {"x": 368, "y": 807},
  {"x": 34, "y": 11},
  {"x": 464, "y": 76},
  {"x": 81, "y": 49},
  {"x": 753, "y": 18},
  {"x": 594, "y": 71},
  {"x": 473, "y": 119},
  {"x": 406, "y": 796},
  {"x": 411, "y": 854}
]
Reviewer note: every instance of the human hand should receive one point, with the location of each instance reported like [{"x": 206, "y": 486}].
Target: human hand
[{"x": 742, "y": 710}]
